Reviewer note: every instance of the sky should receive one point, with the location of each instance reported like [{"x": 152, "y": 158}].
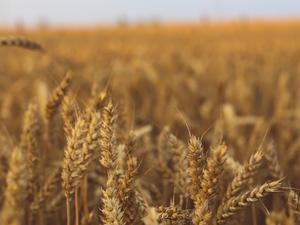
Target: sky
[{"x": 93, "y": 12}]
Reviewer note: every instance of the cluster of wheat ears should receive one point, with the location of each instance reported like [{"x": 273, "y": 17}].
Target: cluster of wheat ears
[{"x": 94, "y": 164}]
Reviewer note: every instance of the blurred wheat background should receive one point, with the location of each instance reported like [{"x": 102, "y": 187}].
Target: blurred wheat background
[{"x": 151, "y": 124}]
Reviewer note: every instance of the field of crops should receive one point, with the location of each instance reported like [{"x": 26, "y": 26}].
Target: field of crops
[{"x": 181, "y": 124}]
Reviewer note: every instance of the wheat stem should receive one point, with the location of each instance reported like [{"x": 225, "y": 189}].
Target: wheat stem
[
  {"x": 68, "y": 211},
  {"x": 76, "y": 207}
]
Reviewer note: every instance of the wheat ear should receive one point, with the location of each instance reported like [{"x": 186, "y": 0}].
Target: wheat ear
[
  {"x": 112, "y": 213},
  {"x": 211, "y": 174},
  {"x": 202, "y": 215},
  {"x": 173, "y": 215},
  {"x": 294, "y": 205},
  {"x": 180, "y": 165},
  {"x": 29, "y": 144},
  {"x": 21, "y": 42},
  {"x": 272, "y": 161},
  {"x": 81, "y": 146},
  {"x": 244, "y": 175},
  {"x": 46, "y": 191},
  {"x": 196, "y": 159},
  {"x": 16, "y": 191},
  {"x": 235, "y": 204},
  {"x": 57, "y": 97},
  {"x": 68, "y": 114},
  {"x": 107, "y": 148}
]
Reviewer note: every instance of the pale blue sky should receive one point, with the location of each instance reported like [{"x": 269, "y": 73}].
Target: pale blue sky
[{"x": 90, "y": 12}]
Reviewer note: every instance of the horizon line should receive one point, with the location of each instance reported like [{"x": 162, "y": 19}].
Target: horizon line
[{"x": 171, "y": 23}]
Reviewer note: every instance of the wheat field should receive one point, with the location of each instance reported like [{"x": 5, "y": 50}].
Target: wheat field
[{"x": 178, "y": 124}]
